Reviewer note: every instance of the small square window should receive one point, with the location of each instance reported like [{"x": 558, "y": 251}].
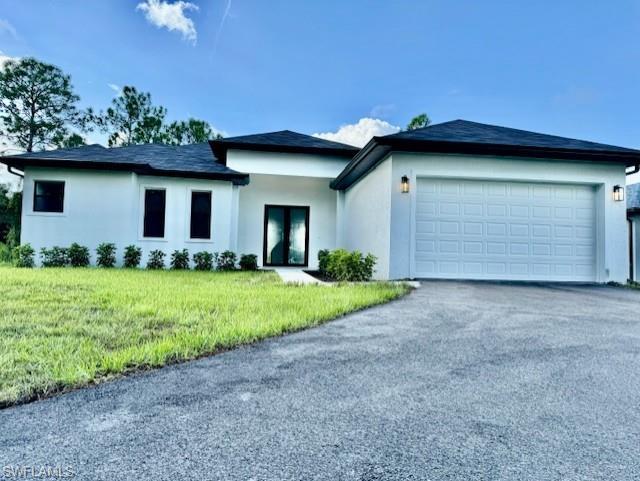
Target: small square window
[{"x": 48, "y": 196}]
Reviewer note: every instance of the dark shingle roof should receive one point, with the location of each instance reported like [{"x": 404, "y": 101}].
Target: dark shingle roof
[
  {"x": 464, "y": 131},
  {"x": 281, "y": 141},
  {"x": 194, "y": 160},
  {"x": 633, "y": 197},
  {"x": 464, "y": 137}
]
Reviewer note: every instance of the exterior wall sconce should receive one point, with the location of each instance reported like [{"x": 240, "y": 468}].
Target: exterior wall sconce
[
  {"x": 618, "y": 193},
  {"x": 405, "y": 184}
]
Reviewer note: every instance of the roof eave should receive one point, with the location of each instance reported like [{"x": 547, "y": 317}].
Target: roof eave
[
  {"x": 237, "y": 178},
  {"x": 380, "y": 147},
  {"x": 633, "y": 211},
  {"x": 411, "y": 145},
  {"x": 373, "y": 147}
]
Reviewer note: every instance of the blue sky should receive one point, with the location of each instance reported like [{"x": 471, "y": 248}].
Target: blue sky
[{"x": 570, "y": 68}]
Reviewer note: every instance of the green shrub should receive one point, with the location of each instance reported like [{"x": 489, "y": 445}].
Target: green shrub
[
  {"x": 180, "y": 260},
  {"x": 345, "y": 266},
  {"x": 323, "y": 259},
  {"x": 249, "y": 262},
  {"x": 106, "y": 255},
  {"x": 132, "y": 256},
  {"x": 54, "y": 257},
  {"x": 13, "y": 237},
  {"x": 203, "y": 261},
  {"x": 78, "y": 255},
  {"x": 24, "y": 255},
  {"x": 225, "y": 261},
  {"x": 6, "y": 255},
  {"x": 156, "y": 260}
]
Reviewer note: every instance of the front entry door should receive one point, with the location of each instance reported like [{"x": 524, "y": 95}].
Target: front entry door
[{"x": 286, "y": 235}]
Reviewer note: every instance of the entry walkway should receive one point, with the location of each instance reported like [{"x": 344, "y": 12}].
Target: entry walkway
[{"x": 295, "y": 275}]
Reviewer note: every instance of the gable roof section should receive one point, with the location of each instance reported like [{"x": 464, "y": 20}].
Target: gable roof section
[
  {"x": 281, "y": 141},
  {"x": 190, "y": 161},
  {"x": 633, "y": 198},
  {"x": 464, "y": 137}
]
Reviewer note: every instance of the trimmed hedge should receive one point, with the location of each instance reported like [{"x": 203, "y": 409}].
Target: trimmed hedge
[
  {"x": 249, "y": 262},
  {"x": 54, "y": 257},
  {"x": 78, "y": 255},
  {"x": 156, "y": 260},
  {"x": 106, "y": 255},
  {"x": 344, "y": 266},
  {"x": 132, "y": 256},
  {"x": 203, "y": 261},
  {"x": 225, "y": 261},
  {"x": 180, "y": 260}
]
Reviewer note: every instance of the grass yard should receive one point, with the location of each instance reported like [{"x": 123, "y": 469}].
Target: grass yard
[{"x": 64, "y": 328}]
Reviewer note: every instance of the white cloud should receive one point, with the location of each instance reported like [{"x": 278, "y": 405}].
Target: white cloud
[
  {"x": 115, "y": 88},
  {"x": 222, "y": 21},
  {"x": 5, "y": 26},
  {"x": 360, "y": 133},
  {"x": 171, "y": 16}
]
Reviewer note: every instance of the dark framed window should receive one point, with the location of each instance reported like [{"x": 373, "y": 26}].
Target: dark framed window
[
  {"x": 155, "y": 202},
  {"x": 48, "y": 196},
  {"x": 200, "y": 215}
]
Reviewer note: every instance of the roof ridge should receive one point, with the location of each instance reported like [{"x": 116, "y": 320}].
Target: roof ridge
[
  {"x": 563, "y": 137},
  {"x": 529, "y": 133}
]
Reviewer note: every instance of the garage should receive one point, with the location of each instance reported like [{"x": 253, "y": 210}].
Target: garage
[{"x": 477, "y": 229}]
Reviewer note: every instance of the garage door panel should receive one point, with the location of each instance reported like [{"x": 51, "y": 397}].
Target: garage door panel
[{"x": 504, "y": 230}]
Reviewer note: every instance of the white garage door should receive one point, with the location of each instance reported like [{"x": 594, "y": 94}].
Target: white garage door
[{"x": 468, "y": 229}]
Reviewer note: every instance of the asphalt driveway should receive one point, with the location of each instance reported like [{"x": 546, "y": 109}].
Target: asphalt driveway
[{"x": 456, "y": 381}]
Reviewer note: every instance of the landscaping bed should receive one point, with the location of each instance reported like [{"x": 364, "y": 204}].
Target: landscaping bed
[{"x": 62, "y": 328}]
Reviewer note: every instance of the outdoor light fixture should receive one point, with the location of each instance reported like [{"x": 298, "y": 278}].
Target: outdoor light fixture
[
  {"x": 618, "y": 193},
  {"x": 405, "y": 184}
]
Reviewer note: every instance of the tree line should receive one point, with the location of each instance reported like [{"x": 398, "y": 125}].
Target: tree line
[{"x": 39, "y": 110}]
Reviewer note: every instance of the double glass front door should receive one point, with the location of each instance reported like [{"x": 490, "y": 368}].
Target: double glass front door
[{"x": 286, "y": 235}]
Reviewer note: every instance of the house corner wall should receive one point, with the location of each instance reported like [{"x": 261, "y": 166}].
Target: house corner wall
[
  {"x": 367, "y": 216},
  {"x": 612, "y": 232},
  {"x": 233, "y": 221},
  {"x": 341, "y": 219}
]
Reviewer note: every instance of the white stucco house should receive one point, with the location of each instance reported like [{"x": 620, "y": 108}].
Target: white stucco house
[
  {"x": 633, "y": 214},
  {"x": 456, "y": 200}
]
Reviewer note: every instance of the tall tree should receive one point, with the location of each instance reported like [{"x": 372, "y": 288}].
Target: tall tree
[
  {"x": 37, "y": 104},
  {"x": 71, "y": 140},
  {"x": 192, "y": 131},
  {"x": 132, "y": 119},
  {"x": 418, "y": 122}
]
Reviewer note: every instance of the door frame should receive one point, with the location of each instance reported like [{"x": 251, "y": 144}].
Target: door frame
[{"x": 287, "y": 227}]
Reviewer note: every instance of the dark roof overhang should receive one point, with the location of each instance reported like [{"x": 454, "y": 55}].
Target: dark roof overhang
[
  {"x": 634, "y": 211},
  {"x": 138, "y": 168},
  {"x": 379, "y": 148}
]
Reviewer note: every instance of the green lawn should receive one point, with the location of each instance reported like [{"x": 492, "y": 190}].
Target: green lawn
[{"x": 64, "y": 328}]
